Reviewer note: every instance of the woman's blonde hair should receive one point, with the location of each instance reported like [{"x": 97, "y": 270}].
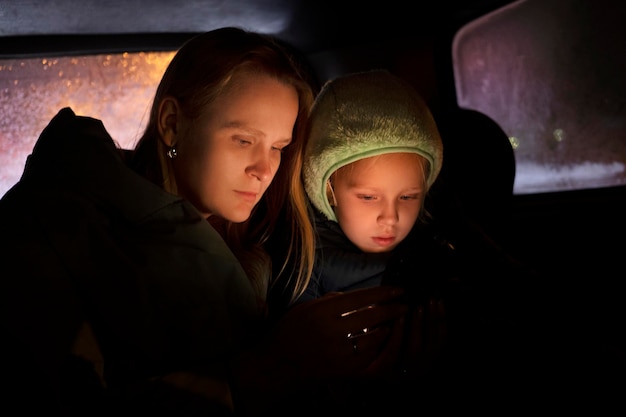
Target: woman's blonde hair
[{"x": 196, "y": 76}]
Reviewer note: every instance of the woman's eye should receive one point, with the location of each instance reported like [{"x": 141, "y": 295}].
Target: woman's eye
[
  {"x": 279, "y": 149},
  {"x": 281, "y": 146}
]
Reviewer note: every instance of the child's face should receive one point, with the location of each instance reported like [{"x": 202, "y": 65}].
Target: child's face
[{"x": 378, "y": 199}]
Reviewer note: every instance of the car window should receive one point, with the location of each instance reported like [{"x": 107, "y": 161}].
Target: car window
[
  {"x": 116, "y": 88},
  {"x": 550, "y": 76},
  {"x": 553, "y": 78}
]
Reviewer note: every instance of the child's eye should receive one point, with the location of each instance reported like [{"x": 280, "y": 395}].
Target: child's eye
[
  {"x": 366, "y": 197},
  {"x": 409, "y": 197},
  {"x": 242, "y": 142}
]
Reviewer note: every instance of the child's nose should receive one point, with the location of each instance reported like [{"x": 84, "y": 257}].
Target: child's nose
[{"x": 389, "y": 214}]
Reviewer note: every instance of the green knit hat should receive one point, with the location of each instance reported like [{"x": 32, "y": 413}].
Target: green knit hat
[{"x": 361, "y": 115}]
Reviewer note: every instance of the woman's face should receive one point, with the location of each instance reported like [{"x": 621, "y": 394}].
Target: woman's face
[
  {"x": 378, "y": 199},
  {"x": 228, "y": 157}
]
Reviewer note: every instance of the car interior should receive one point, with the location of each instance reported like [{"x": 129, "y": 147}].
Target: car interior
[{"x": 529, "y": 96}]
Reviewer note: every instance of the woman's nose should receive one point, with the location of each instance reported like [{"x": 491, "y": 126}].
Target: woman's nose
[{"x": 261, "y": 168}]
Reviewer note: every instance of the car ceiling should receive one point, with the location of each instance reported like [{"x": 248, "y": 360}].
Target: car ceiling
[{"x": 312, "y": 25}]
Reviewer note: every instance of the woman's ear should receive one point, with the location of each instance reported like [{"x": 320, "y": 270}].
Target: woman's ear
[{"x": 168, "y": 120}]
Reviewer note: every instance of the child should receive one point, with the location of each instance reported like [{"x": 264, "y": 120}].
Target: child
[
  {"x": 373, "y": 152},
  {"x": 372, "y": 155}
]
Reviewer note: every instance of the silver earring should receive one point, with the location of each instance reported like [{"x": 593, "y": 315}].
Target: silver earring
[{"x": 172, "y": 153}]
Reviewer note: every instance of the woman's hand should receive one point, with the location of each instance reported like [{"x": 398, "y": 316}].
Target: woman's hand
[{"x": 340, "y": 334}]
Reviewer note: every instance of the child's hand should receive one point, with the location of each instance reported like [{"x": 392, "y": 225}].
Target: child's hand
[{"x": 426, "y": 336}]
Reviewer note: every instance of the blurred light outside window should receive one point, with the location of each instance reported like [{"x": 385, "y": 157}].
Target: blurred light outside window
[
  {"x": 115, "y": 88},
  {"x": 552, "y": 74}
]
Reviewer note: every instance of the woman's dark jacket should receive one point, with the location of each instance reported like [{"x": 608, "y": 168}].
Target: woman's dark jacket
[{"x": 91, "y": 246}]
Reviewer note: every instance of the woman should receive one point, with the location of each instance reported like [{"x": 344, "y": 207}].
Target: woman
[
  {"x": 126, "y": 296},
  {"x": 174, "y": 153}
]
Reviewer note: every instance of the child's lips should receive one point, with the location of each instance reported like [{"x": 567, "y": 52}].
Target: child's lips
[{"x": 384, "y": 241}]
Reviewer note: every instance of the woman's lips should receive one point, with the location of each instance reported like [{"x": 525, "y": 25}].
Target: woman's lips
[{"x": 247, "y": 196}]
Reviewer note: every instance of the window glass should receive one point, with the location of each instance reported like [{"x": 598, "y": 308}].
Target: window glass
[
  {"x": 551, "y": 73},
  {"x": 115, "y": 88}
]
